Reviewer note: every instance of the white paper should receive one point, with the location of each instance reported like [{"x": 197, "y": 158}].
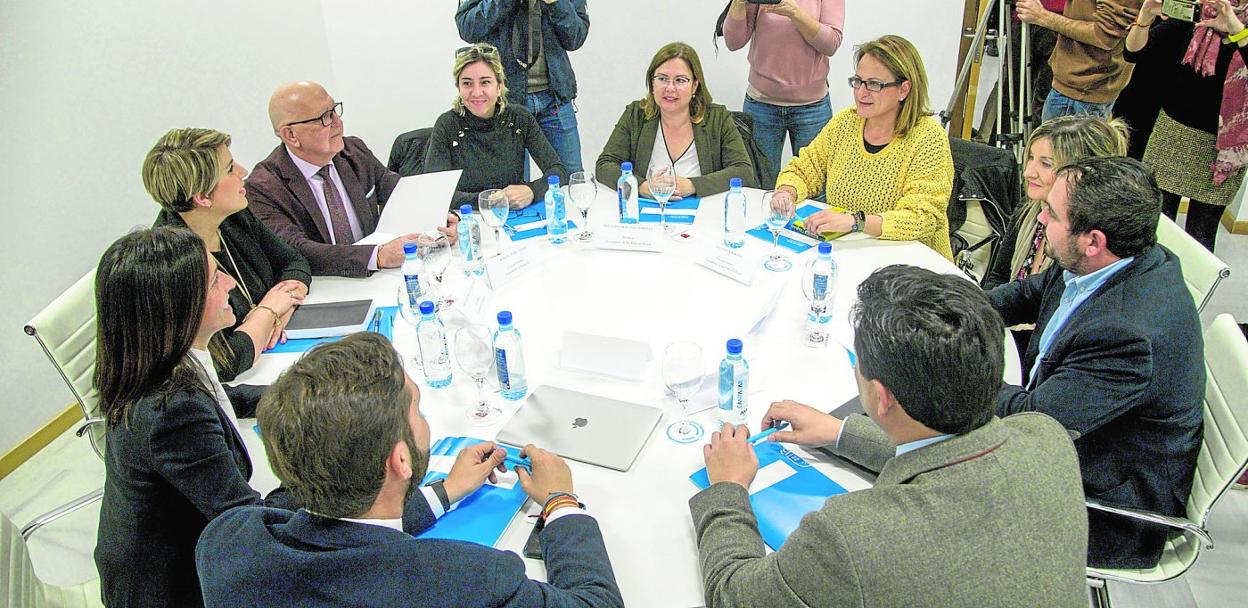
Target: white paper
[
  {"x": 799, "y": 237},
  {"x": 628, "y": 237},
  {"x": 504, "y": 268},
  {"x": 419, "y": 203},
  {"x": 506, "y": 480},
  {"x": 771, "y": 475},
  {"x": 732, "y": 263},
  {"x": 607, "y": 355},
  {"x": 441, "y": 463},
  {"x": 518, "y": 228}
]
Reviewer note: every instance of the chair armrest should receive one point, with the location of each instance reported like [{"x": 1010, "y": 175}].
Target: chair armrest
[
  {"x": 60, "y": 512},
  {"x": 1156, "y": 518},
  {"x": 86, "y": 426}
]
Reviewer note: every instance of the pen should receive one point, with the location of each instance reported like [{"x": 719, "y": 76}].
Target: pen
[
  {"x": 759, "y": 438},
  {"x": 375, "y": 324},
  {"x": 516, "y": 461}
]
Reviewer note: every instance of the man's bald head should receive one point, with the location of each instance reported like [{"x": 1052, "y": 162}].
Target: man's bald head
[
  {"x": 294, "y": 110},
  {"x": 296, "y": 101}
]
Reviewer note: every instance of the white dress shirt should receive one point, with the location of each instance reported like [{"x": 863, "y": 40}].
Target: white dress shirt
[
  {"x": 686, "y": 166},
  {"x": 208, "y": 375}
]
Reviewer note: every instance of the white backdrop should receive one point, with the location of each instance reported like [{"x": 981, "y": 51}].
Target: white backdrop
[{"x": 88, "y": 86}]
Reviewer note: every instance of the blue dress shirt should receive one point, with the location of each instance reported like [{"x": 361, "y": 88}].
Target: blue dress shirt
[{"x": 1078, "y": 290}]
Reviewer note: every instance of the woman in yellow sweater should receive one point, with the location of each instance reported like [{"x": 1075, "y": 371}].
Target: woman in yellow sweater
[{"x": 886, "y": 159}]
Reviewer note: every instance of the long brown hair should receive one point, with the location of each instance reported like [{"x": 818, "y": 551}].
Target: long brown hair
[{"x": 701, "y": 100}]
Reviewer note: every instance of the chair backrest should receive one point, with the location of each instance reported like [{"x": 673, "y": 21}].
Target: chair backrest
[
  {"x": 20, "y": 585},
  {"x": 407, "y": 155},
  {"x": 762, "y": 164},
  {"x": 65, "y": 329},
  {"x": 1224, "y": 447},
  {"x": 975, "y": 242},
  {"x": 1202, "y": 271}
]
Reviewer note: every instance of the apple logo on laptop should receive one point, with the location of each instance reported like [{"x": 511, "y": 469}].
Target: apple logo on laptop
[{"x": 579, "y": 422}]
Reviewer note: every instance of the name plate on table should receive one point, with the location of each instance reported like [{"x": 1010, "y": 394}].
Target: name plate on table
[
  {"x": 628, "y": 237},
  {"x": 732, "y": 263},
  {"x": 504, "y": 268}
]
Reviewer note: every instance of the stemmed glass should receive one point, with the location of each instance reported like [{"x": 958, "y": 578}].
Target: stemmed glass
[
  {"x": 583, "y": 190},
  {"x": 776, "y": 214},
  {"x": 817, "y": 318},
  {"x": 682, "y": 374},
  {"x": 494, "y": 210},
  {"x": 435, "y": 254},
  {"x": 661, "y": 178},
  {"x": 474, "y": 350}
]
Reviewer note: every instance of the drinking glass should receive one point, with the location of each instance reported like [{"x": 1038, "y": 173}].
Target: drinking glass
[
  {"x": 494, "y": 209},
  {"x": 682, "y": 374},
  {"x": 776, "y": 214},
  {"x": 474, "y": 351},
  {"x": 583, "y": 190},
  {"x": 435, "y": 254},
  {"x": 661, "y": 178},
  {"x": 816, "y": 332}
]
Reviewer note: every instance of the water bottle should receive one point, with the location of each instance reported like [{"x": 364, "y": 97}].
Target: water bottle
[
  {"x": 470, "y": 241},
  {"x": 734, "y": 383},
  {"x": 556, "y": 212},
  {"x": 509, "y": 359},
  {"x": 630, "y": 209},
  {"x": 822, "y": 292},
  {"x": 734, "y": 215},
  {"x": 434, "y": 353},
  {"x": 412, "y": 269}
]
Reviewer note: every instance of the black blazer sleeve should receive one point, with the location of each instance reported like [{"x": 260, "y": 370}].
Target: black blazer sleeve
[
  {"x": 1019, "y": 301},
  {"x": 999, "y": 272}
]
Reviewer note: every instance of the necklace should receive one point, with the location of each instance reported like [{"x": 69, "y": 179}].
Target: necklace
[{"x": 237, "y": 279}]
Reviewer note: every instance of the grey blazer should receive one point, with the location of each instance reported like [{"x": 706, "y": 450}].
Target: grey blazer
[{"x": 994, "y": 517}]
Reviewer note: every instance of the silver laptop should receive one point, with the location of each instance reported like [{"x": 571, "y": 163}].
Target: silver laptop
[{"x": 589, "y": 428}]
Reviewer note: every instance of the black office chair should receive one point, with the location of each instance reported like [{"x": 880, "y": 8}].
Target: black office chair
[
  {"x": 407, "y": 155},
  {"x": 985, "y": 190}
]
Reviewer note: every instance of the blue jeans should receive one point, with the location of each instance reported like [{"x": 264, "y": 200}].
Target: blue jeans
[
  {"x": 558, "y": 122},
  {"x": 1057, "y": 104},
  {"x": 772, "y": 123}
]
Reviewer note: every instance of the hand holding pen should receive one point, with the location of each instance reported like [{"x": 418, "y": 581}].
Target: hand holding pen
[{"x": 806, "y": 426}]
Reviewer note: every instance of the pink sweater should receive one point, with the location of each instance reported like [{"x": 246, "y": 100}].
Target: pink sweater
[{"x": 784, "y": 67}]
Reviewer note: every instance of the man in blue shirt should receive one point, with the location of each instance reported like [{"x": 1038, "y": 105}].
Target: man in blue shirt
[{"x": 1117, "y": 355}]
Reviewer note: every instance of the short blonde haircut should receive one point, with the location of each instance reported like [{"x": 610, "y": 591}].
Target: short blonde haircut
[
  {"x": 483, "y": 53},
  {"x": 701, "y": 100},
  {"x": 182, "y": 164},
  {"x": 903, "y": 60}
]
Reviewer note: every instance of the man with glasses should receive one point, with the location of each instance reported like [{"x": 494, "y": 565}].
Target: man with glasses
[
  {"x": 322, "y": 191},
  {"x": 1117, "y": 354},
  {"x": 533, "y": 38}
]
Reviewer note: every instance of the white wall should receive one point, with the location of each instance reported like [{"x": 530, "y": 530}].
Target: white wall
[{"x": 88, "y": 86}]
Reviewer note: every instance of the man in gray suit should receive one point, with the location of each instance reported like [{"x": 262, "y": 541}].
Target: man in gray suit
[{"x": 968, "y": 509}]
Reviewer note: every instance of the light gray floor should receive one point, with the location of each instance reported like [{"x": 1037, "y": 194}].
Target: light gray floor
[{"x": 68, "y": 468}]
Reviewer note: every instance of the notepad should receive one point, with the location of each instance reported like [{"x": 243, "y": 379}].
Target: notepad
[
  {"x": 529, "y": 222},
  {"x": 790, "y": 237},
  {"x": 483, "y": 516},
  {"x": 328, "y": 319}
]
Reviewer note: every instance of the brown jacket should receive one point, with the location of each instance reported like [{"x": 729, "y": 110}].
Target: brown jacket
[{"x": 1087, "y": 61}]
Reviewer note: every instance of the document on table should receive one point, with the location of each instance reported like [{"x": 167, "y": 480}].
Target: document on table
[{"x": 419, "y": 203}]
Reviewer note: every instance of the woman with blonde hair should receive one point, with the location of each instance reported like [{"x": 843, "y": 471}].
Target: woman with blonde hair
[
  {"x": 1054, "y": 143},
  {"x": 885, "y": 161},
  {"x": 487, "y": 137}
]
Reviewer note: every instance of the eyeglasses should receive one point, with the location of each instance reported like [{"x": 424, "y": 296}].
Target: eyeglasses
[
  {"x": 875, "y": 86},
  {"x": 325, "y": 119},
  {"x": 680, "y": 82},
  {"x": 479, "y": 49}
]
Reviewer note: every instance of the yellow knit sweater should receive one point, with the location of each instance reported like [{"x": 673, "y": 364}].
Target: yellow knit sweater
[{"x": 908, "y": 183}]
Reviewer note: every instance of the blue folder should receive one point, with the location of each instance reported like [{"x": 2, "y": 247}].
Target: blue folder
[
  {"x": 780, "y": 508},
  {"x": 534, "y": 212},
  {"x": 649, "y": 210},
  {"x": 383, "y": 326},
  {"x": 482, "y": 516},
  {"x": 764, "y": 233}
]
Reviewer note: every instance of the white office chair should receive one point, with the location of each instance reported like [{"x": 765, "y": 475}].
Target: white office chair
[
  {"x": 1202, "y": 271},
  {"x": 21, "y": 587},
  {"x": 1223, "y": 457}
]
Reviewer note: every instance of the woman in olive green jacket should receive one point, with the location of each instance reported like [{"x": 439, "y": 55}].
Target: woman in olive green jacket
[{"x": 677, "y": 124}]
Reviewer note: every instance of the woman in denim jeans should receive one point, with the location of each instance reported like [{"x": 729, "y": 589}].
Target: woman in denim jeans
[{"x": 790, "y": 43}]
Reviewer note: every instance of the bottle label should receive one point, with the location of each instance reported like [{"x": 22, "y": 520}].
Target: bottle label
[
  {"x": 500, "y": 361},
  {"x": 738, "y": 397},
  {"x": 413, "y": 290},
  {"x": 820, "y": 291}
]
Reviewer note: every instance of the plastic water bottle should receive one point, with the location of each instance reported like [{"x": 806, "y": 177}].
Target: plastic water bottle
[
  {"x": 630, "y": 209},
  {"x": 734, "y": 215},
  {"x": 822, "y": 293},
  {"x": 556, "y": 212},
  {"x": 434, "y": 353},
  {"x": 734, "y": 386},
  {"x": 412, "y": 269},
  {"x": 509, "y": 359},
  {"x": 470, "y": 241}
]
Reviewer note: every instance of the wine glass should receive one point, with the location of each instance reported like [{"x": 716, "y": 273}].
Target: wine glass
[
  {"x": 682, "y": 374},
  {"x": 474, "y": 350},
  {"x": 490, "y": 202},
  {"x": 819, "y": 315},
  {"x": 583, "y": 190},
  {"x": 435, "y": 254},
  {"x": 661, "y": 178},
  {"x": 776, "y": 214}
]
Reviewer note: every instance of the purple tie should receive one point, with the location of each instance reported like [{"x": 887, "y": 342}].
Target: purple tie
[{"x": 337, "y": 211}]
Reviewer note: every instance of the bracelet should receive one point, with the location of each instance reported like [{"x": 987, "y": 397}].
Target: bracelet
[
  {"x": 558, "y": 500},
  {"x": 1238, "y": 36},
  {"x": 1137, "y": 24},
  {"x": 276, "y": 317}
]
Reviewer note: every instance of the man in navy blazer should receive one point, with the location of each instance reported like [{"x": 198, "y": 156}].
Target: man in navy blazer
[
  {"x": 1117, "y": 355},
  {"x": 322, "y": 191},
  {"x": 344, "y": 433}
]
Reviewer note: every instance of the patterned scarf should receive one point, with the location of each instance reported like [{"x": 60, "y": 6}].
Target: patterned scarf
[{"x": 1202, "y": 55}]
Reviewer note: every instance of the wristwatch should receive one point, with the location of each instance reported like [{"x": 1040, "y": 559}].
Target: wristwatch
[
  {"x": 439, "y": 488},
  {"x": 860, "y": 221}
]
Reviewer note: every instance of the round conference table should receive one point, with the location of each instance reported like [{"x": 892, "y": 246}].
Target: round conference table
[{"x": 655, "y": 298}]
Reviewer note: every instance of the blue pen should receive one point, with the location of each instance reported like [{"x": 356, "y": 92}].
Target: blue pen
[
  {"x": 759, "y": 438},
  {"x": 515, "y": 461}
]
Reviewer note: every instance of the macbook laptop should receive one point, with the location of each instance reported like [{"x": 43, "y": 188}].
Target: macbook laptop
[{"x": 589, "y": 428}]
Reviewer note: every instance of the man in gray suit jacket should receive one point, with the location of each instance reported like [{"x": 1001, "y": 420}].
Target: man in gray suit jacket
[{"x": 968, "y": 509}]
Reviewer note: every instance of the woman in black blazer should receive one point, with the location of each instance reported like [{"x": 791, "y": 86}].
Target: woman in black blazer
[{"x": 174, "y": 456}]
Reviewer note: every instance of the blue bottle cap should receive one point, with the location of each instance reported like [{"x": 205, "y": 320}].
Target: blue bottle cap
[
  {"x": 734, "y": 182},
  {"x": 504, "y": 317},
  {"x": 825, "y": 247},
  {"x": 734, "y": 347},
  {"x": 626, "y": 166},
  {"x": 465, "y": 210},
  {"x": 553, "y": 180},
  {"x": 409, "y": 248},
  {"x": 426, "y": 307}
]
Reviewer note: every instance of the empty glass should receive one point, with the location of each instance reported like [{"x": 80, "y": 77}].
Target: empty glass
[
  {"x": 435, "y": 253},
  {"x": 776, "y": 214},
  {"x": 818, "y": 317},
  {"x": 661, "y": 178},
  {"x": 494, "y": 210},
  {"x": 582, "y": 190},
  {"x": 474, "y": 351},
  {"x": 682, "y": 374}
]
